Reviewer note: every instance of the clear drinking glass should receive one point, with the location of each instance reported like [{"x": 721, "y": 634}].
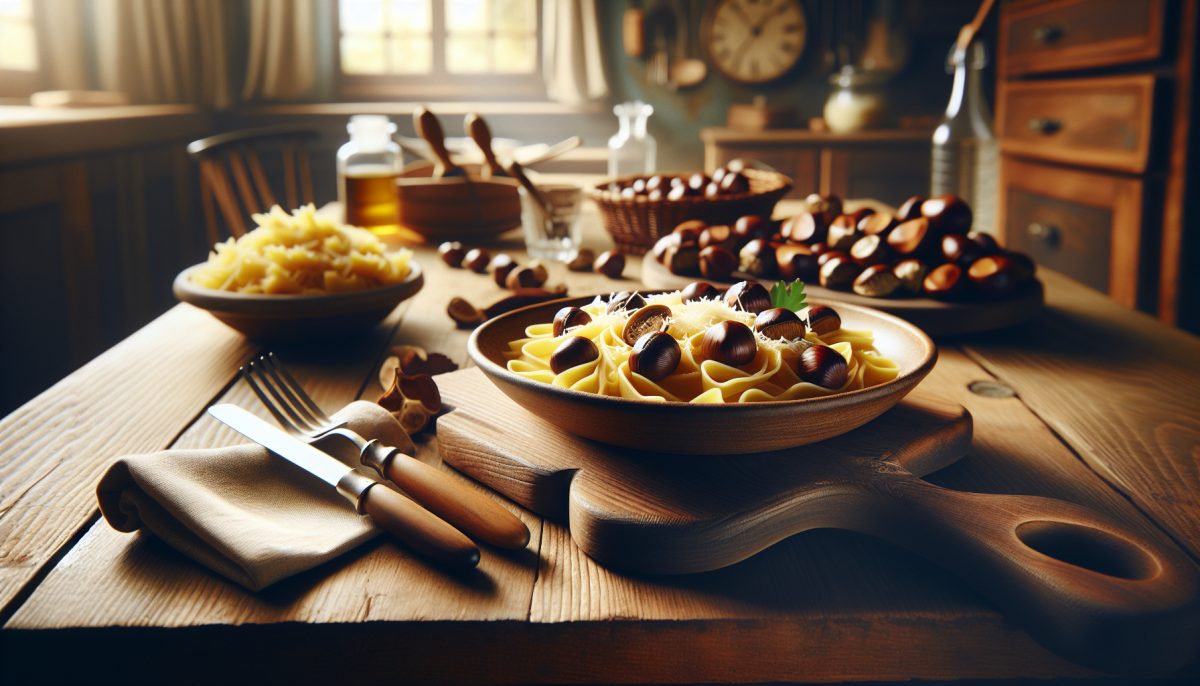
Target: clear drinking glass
[{"x": 552, "y": 235}]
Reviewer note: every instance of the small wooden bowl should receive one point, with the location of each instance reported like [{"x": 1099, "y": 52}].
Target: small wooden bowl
[
  {"x": 455, "y": 208},
  {"x": 676, "y": 427},
  {"x": 281, "y": 317}
]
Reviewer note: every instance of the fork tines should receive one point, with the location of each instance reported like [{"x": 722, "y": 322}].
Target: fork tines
[{"x": 282, "y": 395}]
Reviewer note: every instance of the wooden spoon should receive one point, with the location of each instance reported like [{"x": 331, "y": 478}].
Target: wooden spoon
[
  {"x": 479, "y": 132},
  {"x": 429, "y": 128}
]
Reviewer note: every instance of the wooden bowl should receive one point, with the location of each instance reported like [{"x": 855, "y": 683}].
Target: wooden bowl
[
  {"x": 676, "y": 427},
  {"x": 278, "y": 317},
  {"x": 455, "y": 208}
]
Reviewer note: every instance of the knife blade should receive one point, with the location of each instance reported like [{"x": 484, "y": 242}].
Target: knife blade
[{"x": 412, "y": 524}]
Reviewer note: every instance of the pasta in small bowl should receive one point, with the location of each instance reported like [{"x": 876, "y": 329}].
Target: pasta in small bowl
[
  {"x": 300, "y": 275},
  {"x": 701, "y": 371}
]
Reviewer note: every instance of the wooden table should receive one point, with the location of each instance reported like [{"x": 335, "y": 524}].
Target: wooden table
[{"x": 1105, "y": 412}]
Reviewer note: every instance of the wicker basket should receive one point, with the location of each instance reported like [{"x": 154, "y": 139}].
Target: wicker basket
[{"x": 636, "y": 223}]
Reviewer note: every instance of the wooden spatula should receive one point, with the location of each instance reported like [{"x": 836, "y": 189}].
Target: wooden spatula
[
  {"x": 429, "y": 128},
  {"x": 479, "y": 132}
]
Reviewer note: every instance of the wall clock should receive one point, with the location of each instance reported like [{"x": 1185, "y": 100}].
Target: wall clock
[{"x": 754, "y": 41}]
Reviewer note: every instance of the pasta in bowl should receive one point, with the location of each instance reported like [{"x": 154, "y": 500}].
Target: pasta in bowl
[{"x": 726, "y": 393}]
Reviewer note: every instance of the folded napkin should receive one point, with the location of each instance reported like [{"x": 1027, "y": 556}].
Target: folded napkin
[{"x": 246, "y": 514}]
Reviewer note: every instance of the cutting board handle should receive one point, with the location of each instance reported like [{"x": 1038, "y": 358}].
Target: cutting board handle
[{"x": 1082, "y": 583}]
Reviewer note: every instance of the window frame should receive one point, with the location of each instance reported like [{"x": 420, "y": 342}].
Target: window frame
[
  {"x": 439, "y": 85},
  {"x": 19, "y": 83}
]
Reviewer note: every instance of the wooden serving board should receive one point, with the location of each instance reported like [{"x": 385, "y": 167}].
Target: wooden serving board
[
  {"x": 1079, "y": 581},
  {"x": 935, "y": 317}
]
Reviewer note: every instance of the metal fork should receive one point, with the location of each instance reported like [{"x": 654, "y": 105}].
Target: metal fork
[{"x": 466, "y": 508}]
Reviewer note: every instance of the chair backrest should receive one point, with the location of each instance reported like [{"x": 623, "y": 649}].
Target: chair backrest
[{"x": 234, "y": 183}]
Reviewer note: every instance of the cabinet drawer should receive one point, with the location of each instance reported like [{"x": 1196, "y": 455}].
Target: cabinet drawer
[
  {"x": 1086, "y": 225},
  {"x": 1102, "y": 122},
  {"x": 1079, "y": 34}
]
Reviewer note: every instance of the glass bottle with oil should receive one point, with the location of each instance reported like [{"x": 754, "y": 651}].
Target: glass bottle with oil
[{"x": 368, "y": 167}]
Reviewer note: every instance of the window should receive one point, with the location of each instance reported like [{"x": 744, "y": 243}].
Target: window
[
  {"x": 18, "y": 48},
  {"x": 439, "y": 48}
]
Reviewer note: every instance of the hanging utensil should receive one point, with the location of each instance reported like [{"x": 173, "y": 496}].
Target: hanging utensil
[{"x": 688, "y": 72}]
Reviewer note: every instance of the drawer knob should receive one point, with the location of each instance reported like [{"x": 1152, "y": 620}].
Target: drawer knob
[
  {"x": 1045, "y": 125},
  {"x": 1047, "y": 34},
  {"x": 1046, "y": 234}
]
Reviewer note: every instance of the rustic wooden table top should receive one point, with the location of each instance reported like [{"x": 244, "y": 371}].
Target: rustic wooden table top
[{"x": 1104, "y": 411}]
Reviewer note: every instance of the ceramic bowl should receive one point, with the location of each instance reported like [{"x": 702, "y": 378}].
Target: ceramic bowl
[
  {"x": 677, "y": 427},
  {"x": 298, "y": 316}
]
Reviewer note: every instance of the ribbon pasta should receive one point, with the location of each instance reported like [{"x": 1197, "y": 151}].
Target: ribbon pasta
[{"x": 770, "y": 376}]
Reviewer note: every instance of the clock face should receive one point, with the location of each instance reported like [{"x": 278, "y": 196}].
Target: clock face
[{"x": 754, "y": 41}]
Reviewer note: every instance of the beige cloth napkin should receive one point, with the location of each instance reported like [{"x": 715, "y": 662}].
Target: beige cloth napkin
[{"x": 244, "y": 513}]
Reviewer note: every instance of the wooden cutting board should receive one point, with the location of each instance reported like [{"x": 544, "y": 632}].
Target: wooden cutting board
[{"x": 1079, "y": 581}]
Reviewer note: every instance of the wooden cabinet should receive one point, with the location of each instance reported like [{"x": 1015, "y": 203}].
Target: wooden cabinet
[
  {"x": 883, "y": 165},
  {"x": 1093, "y": 114}
]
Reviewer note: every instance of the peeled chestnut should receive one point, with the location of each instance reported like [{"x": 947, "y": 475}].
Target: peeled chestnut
[
  {"x": 911, "y": 273},
  {"x": 752, "y": 226},
  {"x": 699, "y": 290},
  {"x": 717, "y": 263},
  {"x": 911, "y": 238},
  {"x": 646, "y": 319},
  {"x": 625, "y": 300},
  {"x": 868, "y": 250},
  {"x": 876, "y": 281},
  {"x": 839, "y": 274},
  {"x": 779, "y": 322},
  {"x": 500, "y": 266},
  {"x": 529, "y": 276},
  {"x": 757, "y": 258},
  {"x": 796, "y": 261},
  {"x": 452, "y": 253},
  {"x": 682, "y": 259},
  {"x": 568, "y": 318},
  {"x": 573, "y": 352},
  {"x": 843, "y": 232},
  {"x": 945, "y": 281},
  {"x": 655, "y": 355},
  {"x": 748, "y": 296},
  {"x": 878, "y": 223},
  {"x": 911, "y": 209},
  {"x": 959, "y": 249},
  {"x": 729, "y": 342},
  {"x": 477, "y": 260},
  {"x": 947, "y": 214},
  {"x": 582, "y": 262},
  {"x": 823, "y": 319},
  {"x": 610, "y": 263},
  {"x": 806, "y": 227},
  {"x": 994, "y": 275},
  {"x": 823, "y": 366}
]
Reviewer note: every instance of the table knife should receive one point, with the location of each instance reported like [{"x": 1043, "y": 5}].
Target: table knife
[{"x": 415, "y": 526}]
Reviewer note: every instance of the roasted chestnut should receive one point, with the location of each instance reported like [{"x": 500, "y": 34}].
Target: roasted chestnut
[
  {"x": 720, "y": 235},
  {"x": 823, "y": 366},
  {"x": 1023, "y": 264},
  {"x": 823, "y": 319},
  {"x": 659, "y": 250},
  {"x": 796, "y": 261},
  {"x": 828, "y": 254},
  {"x": 699, "y": 290},
  {"x": 452, "y": 253},
  {"x": 876, "y": 281},
  {"x": 911, "y": 273},
  {"x": 757, "y": 258},
  {"x": 654, "y": 195},
  {"x": 682, "y": 259},
  {"x": 729, "y": 342},
  {"x": 868, "y": 250},
  {"x": 828, "y": 205},
  {"x": 947, "y": 214},
  {"x": 696, "y": 183},
  {"x": 638, "y": 186},
  {"x": 677, "y": 193},
  {"x": 843, "y": 232},
  {"x": 752, "y": 226},
  {"x": 735, "y": 182},
  {"x": 806, "y": 227},
  {"x": 529, "y": 276},
  {"x": 625, "y": 300},
  {"x": 945, "y": 281},
  {"x": 779, "y": 322},
  {"x": 717, "y": 263},
  {"x": 568, "y": 318},
  {"x": 477, "y": 260},
  {"x": 582, "y": 262},
  {"x": 748, "y": 296},
  {"x": 912, "y": 238},
  {"x": 627, "y": 193},
  {"x": 644, "y": 320},
  {"x": 960, "y": 249},
  {"x": 839, "y": 273},
  {"x": 910, "y": 209},
  {"x": 877, "y": 224},
  {"x": 986, "y": 242},
  {"x": 689, "y": 231},
  {"x": 655, "y": 355},
  {"x": 994, "y": 275},
  {"x": 500, "y": 267},
  {"x": 656, "y": 183},
  {"x": 610, "y": 263},
  {"x": 572, "y": 352}
]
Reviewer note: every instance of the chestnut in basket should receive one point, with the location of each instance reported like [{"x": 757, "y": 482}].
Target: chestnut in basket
[
  {"x": 625, "y": 300},
  {"x": 734, "y": 183},
  {"x": 682, "y": 259},
  {"x": 779, "y": 322},
  {"x": 748, "y": 296},
  {"x": 611, "y": 264},
  {"x": 717, "y": 263},
  {"x": 910, "y": 209},
  {"x": 568, "y": 318},
  {"x": 729, "y": 342},
  {"x": 752, "y": 226},
  {"x": 913, "y": 238},
  {"x": 876, "y": 281},
  {"x": 500, "y": 267},
  {"x": 452, "y": 253},
  {"x": 677, "y": 193},
  {"x": 796, "y": 261},
  {"x": 655, "y": 355},
  {"x": 823, "y": 319},
  {"x": 945, "y": 282},
  {"x": 644, "y": 320},
  {"x": 911, "y": 274},
  {"x": 757, "y": 258},
  {"x": 699, "y": 290},
  {"x": 994, "y": 275},
  {"x": 657, "y": 183},
  {"x": 477, "y": 260},
  {"x": 868, "y": 250},
  {"x": 638, "y": 186},
  {"x": 823, "y": 366},
  {"x": 947, "y": 214},
  {"x": 573, "y": 352},
  {"x": 839, "y": 273},
  {"x": 696, "y": 183}
]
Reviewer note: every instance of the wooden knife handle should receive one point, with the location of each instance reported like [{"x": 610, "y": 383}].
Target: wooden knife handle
[
  {"x": 419, "y": 529},
  {"x": 466, "y": 508},
  {"x": 1082, "y": 583},
  {"x": 429, "y": 128},
  {"x": 479, "y": 132}
]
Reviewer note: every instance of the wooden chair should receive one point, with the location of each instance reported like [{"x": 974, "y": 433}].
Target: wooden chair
[{"x": 231, "y": 162}]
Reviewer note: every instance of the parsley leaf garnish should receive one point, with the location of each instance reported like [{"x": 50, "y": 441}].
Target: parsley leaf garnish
[{"x": 789, "y": 295}]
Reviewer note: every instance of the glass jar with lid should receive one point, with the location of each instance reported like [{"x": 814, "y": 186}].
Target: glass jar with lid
[{"x": 856, "y": 102}]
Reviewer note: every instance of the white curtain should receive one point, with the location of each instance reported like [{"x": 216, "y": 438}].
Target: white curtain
[
  {"x": 281, "y": 62},
  {"x": 62, "y": 40},
  {"x": 572, "y": 59}
]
